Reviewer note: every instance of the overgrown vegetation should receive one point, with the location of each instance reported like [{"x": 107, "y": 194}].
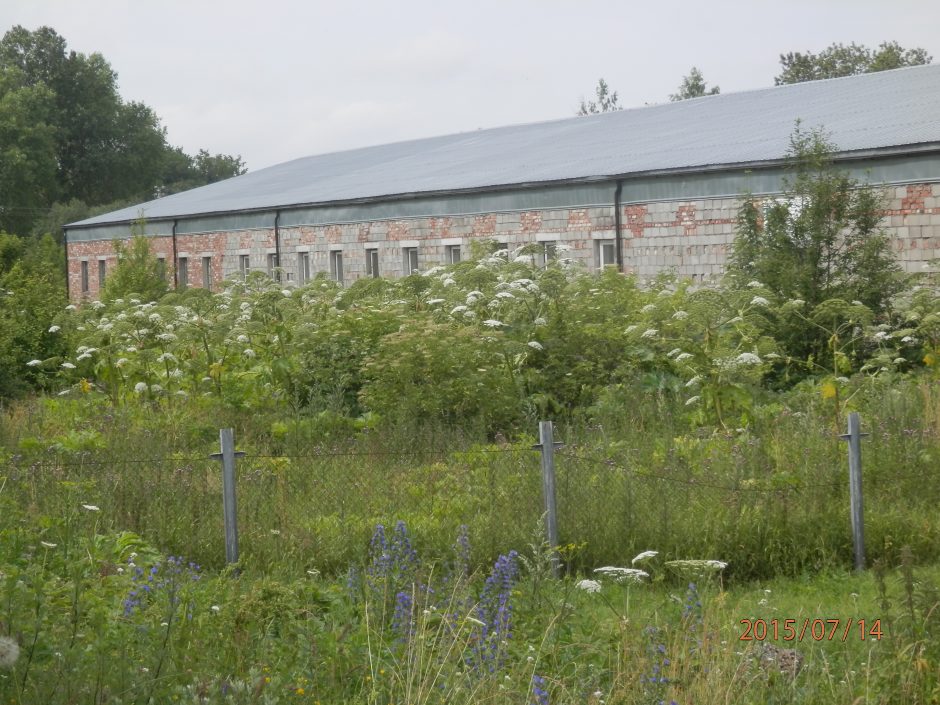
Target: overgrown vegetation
[{"x": 700, "y": 422}]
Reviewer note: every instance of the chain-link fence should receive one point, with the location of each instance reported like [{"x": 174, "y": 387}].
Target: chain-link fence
[{"x": 317, "y": 510}]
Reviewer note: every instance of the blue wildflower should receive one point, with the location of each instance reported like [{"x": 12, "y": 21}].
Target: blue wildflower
[
  {"x": 539, "y": 692},
  {"x": 494, "y": 611}
]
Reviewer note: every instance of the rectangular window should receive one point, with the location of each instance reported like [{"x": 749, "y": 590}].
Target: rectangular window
[
  {"x": 546, "y": 252},
  {"x": 161, "y": 268},
  {"x": 206, "y": 272},
  {"x": 372, "y": 263},
  {"x": 303, "y": 267},
  {"x": 244, "y": 265},
  {"x": 102, "y": 270},
  {"x": 411, "y": 260},
  {"x": 606, "y": 254},
  {"x": 336, "y": 266},
  {"x": 452, "y": 254},
  {"x": 273, "y": 265},
  {"x": 84, "y": 276},
  {"x": 182, "y": 272}
]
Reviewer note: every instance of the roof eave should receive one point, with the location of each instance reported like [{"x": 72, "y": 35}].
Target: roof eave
[{"x": 846, "y": 156}]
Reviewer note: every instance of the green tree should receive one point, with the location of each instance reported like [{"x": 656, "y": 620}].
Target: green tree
[
  {"x": 137, "y": 271},
  {"x": 27, "y": 151},
  {"x": 820, "y": 242},
  {"x": 605, "y": 103},
  {"x": 68, "y": 136},
  {"x": 822, "y": 238},
  {"x": 839, "y": 60},
  {"x": 181, "y": 171},
  {"x": 32, "y": 296},
  {"x": 693, "y": 86}
]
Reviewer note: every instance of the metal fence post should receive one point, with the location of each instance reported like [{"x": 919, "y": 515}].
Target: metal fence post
[
  {"x": 547, "y": 446},
  {"x": 854, "y": 437},
  {"x": 228, "y": 455}
]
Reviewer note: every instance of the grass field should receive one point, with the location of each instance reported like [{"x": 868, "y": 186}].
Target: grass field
[{"x": 114, "y": 588}]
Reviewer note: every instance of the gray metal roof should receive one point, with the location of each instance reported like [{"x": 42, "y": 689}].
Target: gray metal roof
[{"x": 891, "y": 109}]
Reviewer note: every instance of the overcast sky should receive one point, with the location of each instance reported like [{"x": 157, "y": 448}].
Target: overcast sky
[{"x": 276, "y": 80}]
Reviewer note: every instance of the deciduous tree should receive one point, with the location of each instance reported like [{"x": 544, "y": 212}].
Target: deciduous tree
[
  {"x": 693, "y": 86},
  {"x": 605, "y": 103},
  {"x": 838, "y": 60}
]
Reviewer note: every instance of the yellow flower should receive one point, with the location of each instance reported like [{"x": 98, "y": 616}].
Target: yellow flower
[
  {"x": 299, "y": 691},
  {"x": 828, "y": 390}
]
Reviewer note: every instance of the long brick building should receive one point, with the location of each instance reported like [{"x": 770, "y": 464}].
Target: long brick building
[{"x": 644, "y": 189}]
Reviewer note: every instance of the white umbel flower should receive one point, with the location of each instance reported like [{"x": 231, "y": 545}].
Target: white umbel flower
[
  {"x": 535, "y": 345},
  {"x": 68, "y": 365},
  {"x": 54, "y": 329},
  {"x": 623, "y": 574},
  {"x": 140, "y": 387},
  {"x": 589, "y": 586},
  {"x": 493, "y": 323},
  {"x": 747, "y": 359},
  {"x": 759, "y": 301},
  {"x": 34, "y": 363},
  {"x": 643, "y": 556},
  {"x": 9, "y": 652}
]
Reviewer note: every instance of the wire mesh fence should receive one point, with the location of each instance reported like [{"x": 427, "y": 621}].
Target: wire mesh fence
[{"x": 318, "y": 509}]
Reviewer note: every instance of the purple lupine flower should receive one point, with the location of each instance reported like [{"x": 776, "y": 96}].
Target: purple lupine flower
[
  {"x": 393, "y": 563},
  {"x": 692, "y": 617},
  {"x": 165, "y": 578},
  {"x": 462, "y": 552},
  {"x": 539, "y": 692},
  {"x": 403, "y": 619},
  {"x": 655, "y": 682},
  {"x": 495, "y": 612}
]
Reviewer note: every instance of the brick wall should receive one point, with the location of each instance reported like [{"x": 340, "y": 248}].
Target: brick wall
[{"x": 691, "y": 237}]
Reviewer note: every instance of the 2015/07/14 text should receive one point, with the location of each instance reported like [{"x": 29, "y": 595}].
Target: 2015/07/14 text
[{"x": 815, "y": 629}]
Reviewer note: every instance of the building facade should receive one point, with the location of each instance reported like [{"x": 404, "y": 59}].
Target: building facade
[{"x": 585, "y": 188}]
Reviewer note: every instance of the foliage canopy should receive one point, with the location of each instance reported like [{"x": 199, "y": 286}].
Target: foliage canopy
[
  {"x": 838, "y": 60},
  {"x": 606, "y": 102},
  {"x": 68, "y": 137},
  {"x": 693, "y": 86}
]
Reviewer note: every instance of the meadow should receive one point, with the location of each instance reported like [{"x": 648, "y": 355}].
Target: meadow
[{"x": 390, "y": 506}]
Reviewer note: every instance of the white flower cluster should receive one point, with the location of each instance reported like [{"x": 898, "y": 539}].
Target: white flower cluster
[
  {"x": 9, "y": 652},
  {"x": 645, "y": 555},
  {"x": 622, "y": 575},
  {"x": 589, "y": 586}
]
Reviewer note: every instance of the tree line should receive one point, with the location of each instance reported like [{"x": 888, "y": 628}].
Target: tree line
[
  {"x": 71, "y": 146},
  {"x": 835, "y": 61}
]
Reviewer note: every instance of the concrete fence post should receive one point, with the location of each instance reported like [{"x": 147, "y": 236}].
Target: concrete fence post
[
  {"x": 547, "y": 446},
  {"x": 856, "y": 505},
  {"x": 229, "y": 508}
]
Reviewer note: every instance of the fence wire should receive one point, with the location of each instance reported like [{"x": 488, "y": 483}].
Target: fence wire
[{"x": 317, "y": 510}]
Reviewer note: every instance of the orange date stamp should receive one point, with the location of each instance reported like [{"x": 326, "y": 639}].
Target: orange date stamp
[{"x": 815, "y": 629}]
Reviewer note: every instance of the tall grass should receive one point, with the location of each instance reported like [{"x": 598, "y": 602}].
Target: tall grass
[{"x": 770, "y": 498}]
